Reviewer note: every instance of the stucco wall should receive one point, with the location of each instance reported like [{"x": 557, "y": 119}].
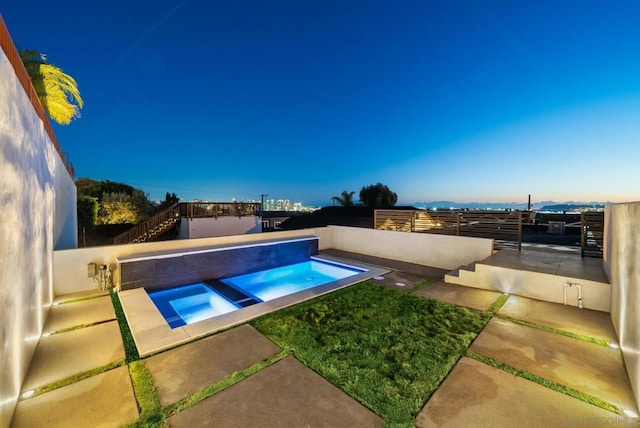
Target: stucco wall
[
  {"x": 65, "y": 225},
  {"x": 38, "y": 199},
  {"x": 442, "y": 251},
  {"x": 622, "y": 260},
  {"x": 221, "y": 226}
]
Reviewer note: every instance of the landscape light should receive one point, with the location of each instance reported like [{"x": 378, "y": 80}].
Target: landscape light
[
  {"x": 630, "y": 413},
  {"x": 28, "y": 394},
  {"x": 614, "y": 346}
]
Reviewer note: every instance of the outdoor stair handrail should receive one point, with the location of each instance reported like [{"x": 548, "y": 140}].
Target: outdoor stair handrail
[
  {"x": 152, "y": 224},
  {"x": 168, "y": 217}
]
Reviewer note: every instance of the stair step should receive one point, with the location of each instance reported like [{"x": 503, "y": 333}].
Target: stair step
[
  {"x": 471, "y": 267},
  {"x": 455, "y": 272}
]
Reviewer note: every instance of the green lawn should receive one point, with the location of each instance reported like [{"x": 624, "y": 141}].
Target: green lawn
[{"x": 388, "y": 349}]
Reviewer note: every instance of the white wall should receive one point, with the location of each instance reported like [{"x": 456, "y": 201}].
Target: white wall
[
  {"x": 441, "y": 251},
  {"x": 65, "y": 226},
  {"x": 535, "y": 285},
  {"x": 35, "y": 188},
  {"x": 222, "y": 226},
  {"x": 70, "y": 266},
  {"x": 622, "y": 263}
]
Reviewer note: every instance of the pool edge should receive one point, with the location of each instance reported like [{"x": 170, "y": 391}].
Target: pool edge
[{"x": 152, "y": 334}]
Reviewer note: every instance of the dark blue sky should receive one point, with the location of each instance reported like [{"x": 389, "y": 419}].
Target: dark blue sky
[{"x": 456, "y": 100}]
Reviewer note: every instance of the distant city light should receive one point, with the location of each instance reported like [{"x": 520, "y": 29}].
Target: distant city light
[{"x": 285, "y": 205}]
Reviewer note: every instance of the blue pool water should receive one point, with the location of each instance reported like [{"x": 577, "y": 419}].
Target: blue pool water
[
  {"x": 273, "y": 283},
  {"x": 192, "y": 303}
]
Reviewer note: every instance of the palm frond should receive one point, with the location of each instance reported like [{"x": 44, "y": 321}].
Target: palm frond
[{"x": 57, "y": 91}]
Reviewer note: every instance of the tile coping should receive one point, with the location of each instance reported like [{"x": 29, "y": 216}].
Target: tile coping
[{"x": 152, "y": 333}]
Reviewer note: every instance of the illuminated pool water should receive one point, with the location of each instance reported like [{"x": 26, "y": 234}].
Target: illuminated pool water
[
  {"x": 273, "y": 283},
  {"x": 196, "y": 302},
  {"x": 190, "y": 303}
]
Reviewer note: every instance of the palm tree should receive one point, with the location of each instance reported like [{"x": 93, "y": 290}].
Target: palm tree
[
  {"x": 57, "y": 91},
  {"x": 346, "y": 200}
]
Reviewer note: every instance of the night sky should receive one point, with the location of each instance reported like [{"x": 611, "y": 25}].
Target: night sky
[{"x": 440, "y": 100}]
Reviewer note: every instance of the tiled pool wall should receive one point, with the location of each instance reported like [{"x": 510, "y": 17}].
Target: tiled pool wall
[{"x": 164, "y": 271}]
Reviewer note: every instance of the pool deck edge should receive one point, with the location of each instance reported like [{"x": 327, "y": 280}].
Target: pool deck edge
[{"x": 152, "y": 334}]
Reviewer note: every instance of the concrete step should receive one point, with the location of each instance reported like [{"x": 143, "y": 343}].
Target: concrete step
[
  {"x": 455, "y": 275},
  {"x": 471, "y": 267}
]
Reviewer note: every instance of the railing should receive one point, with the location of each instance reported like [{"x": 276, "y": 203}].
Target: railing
[
  {"x": 219, "y": 209},
  {"x": 141, "y": 232},
  {"x": 503, "y": 226},
  {"x": 592, "y": 233},
  {"x": 162, "y": 221}
]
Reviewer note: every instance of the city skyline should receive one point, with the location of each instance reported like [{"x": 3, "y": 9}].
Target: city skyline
[{"x": 456, "y": 101}]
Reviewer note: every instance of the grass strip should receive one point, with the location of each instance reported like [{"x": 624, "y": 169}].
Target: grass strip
[
  {"x": 146, "y": 396},
  {"x": 556, "y": 331},
  {"x": 495, "y": 306},
  {"x": 77, "y": 377},
  {"x": 130, "y": 350},
  {"x": 81, "y": 299},
  {"x": 546, "y": 382},
  {"x": 212, "y": 389},
  {"x": 421, "y": 285},
  {"x": 79, "y": 326},
  {"x": 387, "y": 349}
]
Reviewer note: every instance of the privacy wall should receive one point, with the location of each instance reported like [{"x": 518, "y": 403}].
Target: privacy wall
[
  {"x": 38, "y": 200},
  {"x": 622, "y": 255}
]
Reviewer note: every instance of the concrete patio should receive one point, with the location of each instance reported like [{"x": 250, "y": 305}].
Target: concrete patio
[{"x": 286, "y": 393}]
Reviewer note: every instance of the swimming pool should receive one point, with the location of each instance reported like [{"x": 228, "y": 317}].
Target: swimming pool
[{"x": 196, "y": 302}]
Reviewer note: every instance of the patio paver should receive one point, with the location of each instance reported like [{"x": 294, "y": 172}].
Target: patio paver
[
  {"x": 586, "y": 322},
  {"x": 477, "y": 395},
  {"x": 593, "y": 369},
  {"x": 399, "y": 280},
  {"x": 181, "y": 372},
  {"x": 468, "y": 297},
  {"x": 286, "y": 394},
  {"x": 79, "y": 313},
  {"x": 551, "y": 263},
  {"x": 412, "y": 268},
  {"x": 64, "y": 354},
  {"x": 105, "y": 400}
]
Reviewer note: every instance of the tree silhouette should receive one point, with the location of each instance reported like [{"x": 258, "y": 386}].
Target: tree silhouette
[
  {"x": 346, "y": 200},
  {"x": 378, "y": 195},
  {"x": 169, "y": 199}
]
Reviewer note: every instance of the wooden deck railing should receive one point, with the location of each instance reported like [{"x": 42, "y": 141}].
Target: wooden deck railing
[
  {"x": 218, "y": 209},
  {"x": 498, "y": 225},
  {"x": 165, "y": 219},
  {"x": 141, "y": 232}
]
